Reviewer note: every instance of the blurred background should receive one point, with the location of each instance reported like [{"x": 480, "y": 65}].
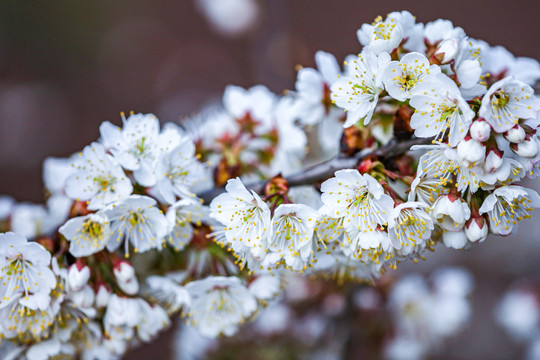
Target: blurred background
[{"x": 66, "y": 66}]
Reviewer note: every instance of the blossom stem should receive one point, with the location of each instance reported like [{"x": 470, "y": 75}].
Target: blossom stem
[{"x": 324, "y": 170}]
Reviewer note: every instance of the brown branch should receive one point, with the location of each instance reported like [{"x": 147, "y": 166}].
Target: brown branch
[{"x": 324, "y": 170}]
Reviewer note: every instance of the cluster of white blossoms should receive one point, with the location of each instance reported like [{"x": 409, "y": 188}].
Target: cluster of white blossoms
[{"x": 140, "y": 225}]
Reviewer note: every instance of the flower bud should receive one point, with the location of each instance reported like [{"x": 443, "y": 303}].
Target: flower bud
[
  {"x": 129, "y": 287},
  {"x": 476, "y": 229},
  {"x": 528, "y": 148},
  {"x": 493, "y": 161},
  {"x": 103, "y": 295},
  {"x": 480, "y": 130},
  {"x": 447, "y": 50},
  {"x": 515, "y": 135},
  {"x": 123, "y": 271},
  {"x": 471, "y": 152},
  {"x": 450, "y": 212},
  {"x": 125, "y": 277},
  {"x": 78, "y": 275},
  {"x": 83, "y": 298},
  {"x": 454, "y": 239}
]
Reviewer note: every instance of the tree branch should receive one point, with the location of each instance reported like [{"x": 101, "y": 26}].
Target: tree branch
[{"x": 324, "y": 170}]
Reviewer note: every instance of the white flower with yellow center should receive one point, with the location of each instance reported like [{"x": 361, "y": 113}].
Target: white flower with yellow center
[
  {"x": 24, "y": 268},
  {"x": 178, "y": 172},
  {"x": 87, "y": 234},
  {"x": 382, "y": 35},
  {"x": 426, "y": 188},
  {"x": 440, "y": 109},
  {"x": 98, "y": 177},
  {"x": 329, "y": 230},
  {"x": 27, "y": 317},
  {"x": 507, "y": 101},
  {"x": 245, "y": 216},
  {"x": 138, "y": 144},
  {"x": 409, "y": 226},
  {"x": 292, "y": 234},
  {"x": 366, "y": 246},
  {"x": 181, "y": 217},
  {"x": 507, "y": 205},
  {"x": 359, "y": 199},
  {"x": 401, "y": 78},
  {"x": 219, "y": 305},
  {"x": 358, "y": 91},
  {"x": 138, "y": 221}
]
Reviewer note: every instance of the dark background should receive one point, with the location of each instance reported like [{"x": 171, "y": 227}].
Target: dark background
[{"x": 66, "y": 66}]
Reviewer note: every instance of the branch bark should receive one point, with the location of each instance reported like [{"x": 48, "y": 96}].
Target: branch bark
[{"x": 324, "y": 170}]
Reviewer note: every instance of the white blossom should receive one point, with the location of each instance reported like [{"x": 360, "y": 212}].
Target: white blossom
[
  {"x": 246, "y": 218},
  {"x": 24, "y": 268},
  {"x": 27, "y": 317},
  {"x": 313, "y": 88},
  {"x": 409, "y": 226},
  {"x": 181, "y": 216},
  {"x": 440, "y": 109},
  {"x": 138, "y": 221},
  {"x": 382, "y": 35},
  {"x": 292, "y": 234},
  {"x": 87, "y": 234},
  {"x": 138, "y": 144},
  {"x": 440, "y": 30},
  {"x": 447, "y": 50},
  {"x": 168, "y": 293},
  {"x": 121, "y": 318},
  {"x": 179, "y": 171},
  {"x": 402, "y": 78},
  {"x": 98, "y": 177},
  {"x": 219, "y": 305},
  {"x": 507, "y": 101},
  {"x": 507, "y": 205},
  {"x": 359, "y": 199},
  {"x": 358, "y": 91}
]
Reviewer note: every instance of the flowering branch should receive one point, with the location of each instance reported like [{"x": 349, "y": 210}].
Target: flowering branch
[{"x": 326, "y": 169}]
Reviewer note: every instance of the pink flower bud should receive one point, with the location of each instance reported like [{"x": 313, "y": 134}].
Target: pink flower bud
[
  {"x": 515, "y": 134},
  {"x": 476, "y": 229},
  {"x": 78, "y": 275},
  {"x": 480, "y": 130}
]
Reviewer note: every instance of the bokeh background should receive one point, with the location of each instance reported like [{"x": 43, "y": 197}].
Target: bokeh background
[{"x": 66, "y": 66}]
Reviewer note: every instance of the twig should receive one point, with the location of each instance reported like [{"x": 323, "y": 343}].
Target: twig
[{"x": 324, "y": 170}]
